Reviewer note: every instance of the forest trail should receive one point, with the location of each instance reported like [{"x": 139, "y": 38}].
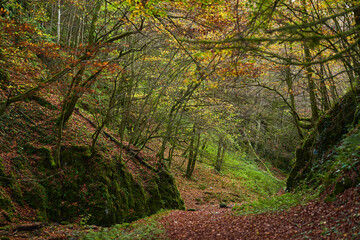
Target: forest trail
[
  {"x": 316, "y": 220},
  {"x": 339, "y": 219}
]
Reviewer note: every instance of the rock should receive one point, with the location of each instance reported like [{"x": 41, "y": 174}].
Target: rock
[{"x": 223, "y": 205}]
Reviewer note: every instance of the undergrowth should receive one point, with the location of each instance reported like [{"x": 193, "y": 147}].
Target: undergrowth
[
  {"x": 347, "y": 155},
  {"x": 275, "y": 203},
  {"x": 340, "y": 160},
  {"x": 336, "y": 167},
  {"x": 147, "y": 228},
  {"x": 246, "y": 170}
]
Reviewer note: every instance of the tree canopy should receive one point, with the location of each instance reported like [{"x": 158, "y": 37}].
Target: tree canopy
[{"x": 240, "y": 73}]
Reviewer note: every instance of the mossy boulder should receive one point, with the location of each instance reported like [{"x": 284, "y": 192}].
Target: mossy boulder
[
  {"x": 104, "y": 190},
  {"x": 98, "y": 189},
  {"x": 6, "y": 205},
  {"x": 168, "y": 190},
  {"x": 331, "y": 128},
  {"x": 8, "y": 180},
  {"x": 34, "y": 194},
  {"x": 47, "y": 160},
  {"x": 154, "y": 201},
  {"x": 4, "y": 178},
  {"x": 5, "y": 202}
]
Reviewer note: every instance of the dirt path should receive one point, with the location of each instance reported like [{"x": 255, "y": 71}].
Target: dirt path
[{"x": 316, "y": 220}]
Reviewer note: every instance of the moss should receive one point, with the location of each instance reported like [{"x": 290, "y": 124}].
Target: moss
[
  {"x": 96, "y": 187},
  {"x": 16, "y": 191},
  {"x": 47, "y": 158},
  {"x": 154, "y": 198},
  {"x": 312, "y": 156},
  {"x": 43, "y": 102},
  {"x": 168, "y": 191},
  {"x": 19, "y": 162},
  {"x": 35, "y": 196},
  {"x": 8, "y": 180},
  {"x": 90, "y": 186},
  {"x": 134, "y": 194},
  {"x": 341, "y": 186},
  {"x": 4, "y": 179},
  {"x": 304, "y": 156},
  {"x": 5, "y": 202},
  {"x": 49, "y": 139}
]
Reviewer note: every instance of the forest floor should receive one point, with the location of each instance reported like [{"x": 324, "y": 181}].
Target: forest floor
[
  {"x": 315, "y": 220},
  {"x": 339, "y": 219}
]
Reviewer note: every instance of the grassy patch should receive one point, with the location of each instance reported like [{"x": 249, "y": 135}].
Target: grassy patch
[
  {"x": 246, "y": 170},
  {"x": 274, "y": 203},
  {"x": 147, "y": 228}
]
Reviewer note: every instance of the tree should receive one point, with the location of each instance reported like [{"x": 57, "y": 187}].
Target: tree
[{"x": 193, "y": 150}]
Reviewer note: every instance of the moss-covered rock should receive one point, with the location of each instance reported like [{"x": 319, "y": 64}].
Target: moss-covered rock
[
  {"x": 3, "y": 177},
  {"x": 154, "y": 201},
  {"x": 98, "y": 189},
  {"x": 105, "y": 191},
  {"x": 5, "y": 202},
  {"x": 34, "y": 194},
  {"x": 8, "y": 180},
  {"x": 314, "y": 154},
  {"x": 47, "y": 160},
  {"x": 6, "y": 205},
  {"x": 168, "y": 190}
]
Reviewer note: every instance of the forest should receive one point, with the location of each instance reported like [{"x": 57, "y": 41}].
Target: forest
[{"x": 179, "y": 119}]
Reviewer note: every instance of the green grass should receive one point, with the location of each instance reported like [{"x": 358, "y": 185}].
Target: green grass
[
  {"x": 247, "y": 171},
  {"x": 274, "y": 203},
  {"x": 148, "y": 228}
]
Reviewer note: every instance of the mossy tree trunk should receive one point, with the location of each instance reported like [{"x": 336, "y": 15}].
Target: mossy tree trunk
[
  {"x": 311, "y": 85},
  {"x": 309, "y": 72},
  {"x": 220, "y": 154},
  {"x": 289, "y": 82},
  {"x": 325, "y": 102},
  {"x": 193, "y": 150}
]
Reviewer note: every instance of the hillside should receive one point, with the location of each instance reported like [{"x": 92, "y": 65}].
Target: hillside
[{"x": 102, "y": 188}]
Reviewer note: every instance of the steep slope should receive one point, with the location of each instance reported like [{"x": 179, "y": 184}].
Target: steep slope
[
  {"x": 330, "y": 155},
  {"x": 103, "y": 189}
]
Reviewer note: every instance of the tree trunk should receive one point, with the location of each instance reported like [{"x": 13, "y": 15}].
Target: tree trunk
[
  {"x": 333, "y": 90},
  {"x": 71, "y": 26},
  {"x": 311, "y": 85},
  {"x": 59, "y": 21},
  {"x": 191, "y": 157},
  {"x": 106, "y": 119},
  {"x": 289, "y": 82},
  {"x": 69, "y": 107},
  {"x": 220, "y": 154},
  {"x": 193, "y": 151},
  {"x": 309, "y": 72},
  {"x": 325, "y": 104}
]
